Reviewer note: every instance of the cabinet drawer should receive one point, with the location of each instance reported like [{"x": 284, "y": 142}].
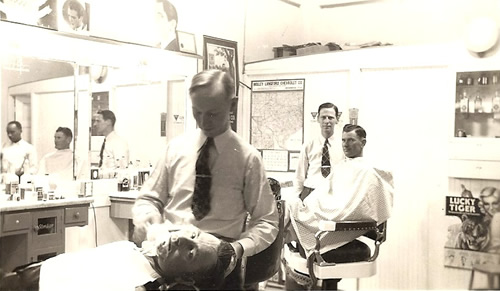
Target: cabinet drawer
[
  {"x": 76, "y": 215},
  {"x": 16, "y": 221}
]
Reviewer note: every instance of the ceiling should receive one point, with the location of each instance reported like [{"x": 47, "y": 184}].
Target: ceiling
[{"x": 324, "y": 4}]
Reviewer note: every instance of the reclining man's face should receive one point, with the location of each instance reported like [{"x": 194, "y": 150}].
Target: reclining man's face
[{"x": 187, "y": 251}]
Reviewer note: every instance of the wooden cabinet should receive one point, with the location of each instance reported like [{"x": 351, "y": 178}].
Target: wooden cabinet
[{"x": 30, "y": 233}]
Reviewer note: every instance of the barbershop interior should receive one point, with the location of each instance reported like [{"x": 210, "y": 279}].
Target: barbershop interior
[{"x": 96, "y": 99}]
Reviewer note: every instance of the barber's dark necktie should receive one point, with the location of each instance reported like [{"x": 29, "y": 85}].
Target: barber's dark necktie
[
  {"x": 325, "y": 160},
  {"x": 203, "y": 182},
  {"x": 101, "y": 154}
]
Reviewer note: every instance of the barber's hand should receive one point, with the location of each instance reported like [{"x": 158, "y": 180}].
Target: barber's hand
[
  {"x": 142, "y": 222},
  {"x": 238, "y": 249}
]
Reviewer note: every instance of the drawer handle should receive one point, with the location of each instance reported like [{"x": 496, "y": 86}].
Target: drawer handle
[
  {"x": 17, "y": 221},
  {"x": 76, "y": 215}
]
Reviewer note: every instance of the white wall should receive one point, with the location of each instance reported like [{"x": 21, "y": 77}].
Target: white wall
[
  {"x": 400, "y": 22},
  {"x": 406, "y": 99}
]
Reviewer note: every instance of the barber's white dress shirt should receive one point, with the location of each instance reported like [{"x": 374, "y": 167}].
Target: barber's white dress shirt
[
  {"x": 116, "y": 148},
  {"x": 308, "y": 173},
  {"x": 239, "y": 187},
  {"x": 357, "y": 191},
  {"x": 115, "y": 266},
  {"x": 13, "y": 155}
]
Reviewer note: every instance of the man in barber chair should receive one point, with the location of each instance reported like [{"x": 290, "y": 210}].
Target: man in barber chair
[
  {"x": 185, "y": 256},
  {"x": 356, "y": 191}
]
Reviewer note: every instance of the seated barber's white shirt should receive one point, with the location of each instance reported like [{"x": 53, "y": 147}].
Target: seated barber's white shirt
[
  {"x": 357, "y": 191},
  {"x": 114, "y": 266}
]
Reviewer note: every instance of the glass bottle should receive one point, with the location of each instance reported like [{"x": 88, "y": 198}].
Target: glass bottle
[
  {"x": 495, "y": 104},
  {"x": 464, "y": 103},
  {"x": 478, "y": 104}
]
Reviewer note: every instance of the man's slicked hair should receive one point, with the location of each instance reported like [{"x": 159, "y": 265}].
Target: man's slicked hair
[
  {"x": 360, "y": 132},
  {"x": 108, "y": 115},
  {"x": 211, "y": 79},
  {"x": 329, "y": 105}
]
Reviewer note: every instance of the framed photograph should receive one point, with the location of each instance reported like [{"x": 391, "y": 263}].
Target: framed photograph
[
  {"x": 187, "y": 42},
  {"x": 73, "y": 16},
  {"x": 223, "y": 55}
]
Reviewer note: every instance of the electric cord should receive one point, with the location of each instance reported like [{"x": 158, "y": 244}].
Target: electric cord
[{"x": 95, "y": 223}]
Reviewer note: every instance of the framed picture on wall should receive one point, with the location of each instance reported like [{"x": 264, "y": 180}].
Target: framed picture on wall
[
  {"x": 73, "y": 16},
  {"x": 223, "y": 55},
  {"x": 187, "y": 42}
]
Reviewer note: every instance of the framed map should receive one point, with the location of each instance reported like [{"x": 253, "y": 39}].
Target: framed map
[{"x": 277, "y": 114}]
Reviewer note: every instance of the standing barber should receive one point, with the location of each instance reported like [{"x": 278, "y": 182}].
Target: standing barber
[
  {"x": 18, "y": 156},
  {"x": 318, "y": 154},
  {"x": 114, "y": 149},
  {"x": 217, "y": 192}
]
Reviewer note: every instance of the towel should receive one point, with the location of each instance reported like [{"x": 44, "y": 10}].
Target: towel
[
  {"x": 356, "y": 191},
  {"x": 115, "y": 266}
]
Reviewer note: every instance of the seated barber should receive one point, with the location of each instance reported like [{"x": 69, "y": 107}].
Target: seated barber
[
  {"x": 186, "y": 256},
  {"x": 356, "y": 191},
  {"x": 211, "y": 178}
]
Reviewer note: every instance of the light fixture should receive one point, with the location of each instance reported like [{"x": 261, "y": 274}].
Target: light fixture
[{"x": 481, "y": 34}]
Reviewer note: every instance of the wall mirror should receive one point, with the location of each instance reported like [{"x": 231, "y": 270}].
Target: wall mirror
[
  {"x": 40, "y": 94},
  {"x": 149, "y": 105}
]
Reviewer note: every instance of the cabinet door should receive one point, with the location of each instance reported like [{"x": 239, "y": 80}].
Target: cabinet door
[{"x": 47, "y": 230}]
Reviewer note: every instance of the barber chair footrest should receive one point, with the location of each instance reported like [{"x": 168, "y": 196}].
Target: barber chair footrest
[{"x": 341, "y": 270}]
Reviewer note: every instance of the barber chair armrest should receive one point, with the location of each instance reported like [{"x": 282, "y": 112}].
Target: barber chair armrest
[{"x": 328, "y": 225}]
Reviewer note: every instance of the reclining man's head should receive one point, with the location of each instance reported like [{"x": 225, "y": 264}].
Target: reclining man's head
[
  {"x": 193, "y": 258},
  {"x": 353, "y": 140}
]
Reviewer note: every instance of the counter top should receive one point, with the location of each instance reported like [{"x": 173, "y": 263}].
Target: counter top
[
  {"x": 26, "y": 205},
  {"x": 124, "y": 195}
]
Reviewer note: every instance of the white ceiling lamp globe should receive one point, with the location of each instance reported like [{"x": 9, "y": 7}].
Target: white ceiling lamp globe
[{"x": 481, "y": 34}]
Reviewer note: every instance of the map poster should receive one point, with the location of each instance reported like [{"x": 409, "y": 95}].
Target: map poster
[{"x": 277, "y": 114}]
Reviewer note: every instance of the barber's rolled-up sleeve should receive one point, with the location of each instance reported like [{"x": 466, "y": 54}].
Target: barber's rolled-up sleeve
[
  {"x": 262, "y": 227},
  {"x": 153, "y": 195}
]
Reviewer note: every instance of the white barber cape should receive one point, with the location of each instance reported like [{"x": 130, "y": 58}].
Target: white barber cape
[
  {"x": 115, "y": 266},
  {"x": 59, "y": 162},
  {"x": 357, "y": 191}
]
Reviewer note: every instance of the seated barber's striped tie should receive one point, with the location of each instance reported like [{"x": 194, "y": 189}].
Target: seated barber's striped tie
[
  {"x": 203, "y": 182},
  {"x": 325, "y": 160}
]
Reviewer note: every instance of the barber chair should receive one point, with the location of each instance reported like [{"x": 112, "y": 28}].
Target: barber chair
[
  {"x": 315, "y": 267},
  {"x": 264, "y": 265}
]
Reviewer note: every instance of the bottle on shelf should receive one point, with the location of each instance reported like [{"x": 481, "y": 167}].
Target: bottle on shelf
[
  {"x": 478, "y": 104},
  {"x": 472, "y": 107},
  {"x": 495, "y": 104},
  {"x": 464, "y": 103}
]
